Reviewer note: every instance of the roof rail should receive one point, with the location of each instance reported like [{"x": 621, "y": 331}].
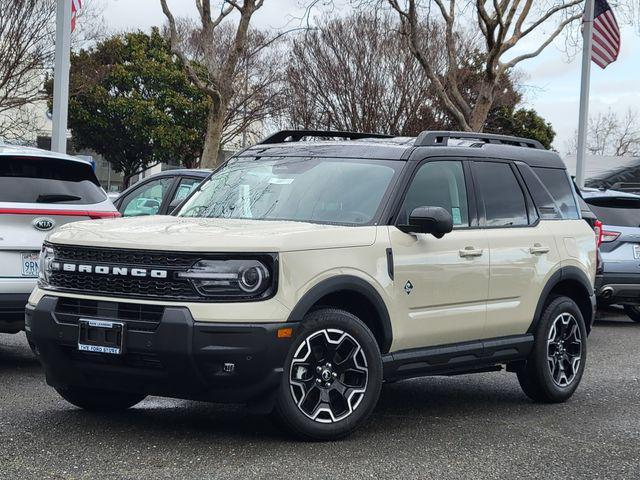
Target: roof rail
[
  {"x": 441, "y": 139},
  {"x": 297, "y": 135}
]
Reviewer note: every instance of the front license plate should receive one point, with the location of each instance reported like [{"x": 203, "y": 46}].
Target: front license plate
[
  {"x": 30, "y": 264},
  {"x": 636, "y": 251},
  {"x": 100, "y": 336}
]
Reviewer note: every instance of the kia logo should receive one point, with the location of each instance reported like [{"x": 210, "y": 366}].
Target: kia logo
[{"x": 43, "y": 224}]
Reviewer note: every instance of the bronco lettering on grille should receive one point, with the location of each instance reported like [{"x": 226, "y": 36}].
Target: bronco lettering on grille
[{"x": 107, "y": 270}]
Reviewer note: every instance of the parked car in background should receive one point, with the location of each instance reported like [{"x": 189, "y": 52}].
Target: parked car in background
[
  {"x": 159, "y": 194},
  {"x": 618, "y": 279},
  {"x": 39, "y": 190}
]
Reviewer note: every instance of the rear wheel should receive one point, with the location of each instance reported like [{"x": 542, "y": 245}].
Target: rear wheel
[
  {"x": 556, "y": 364},
  {"x": 97, "y": 400},
  {"x": 633, "y": 312},
  {"x": 332, "y": 377}
]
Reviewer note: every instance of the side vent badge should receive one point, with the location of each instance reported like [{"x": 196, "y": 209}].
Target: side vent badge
[{"x": 408, "y": 287}]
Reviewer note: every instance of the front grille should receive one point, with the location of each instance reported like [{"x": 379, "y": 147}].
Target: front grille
[
  {"x": 170, "y": 288},
  {"x": 139, "y": 317},
  {"x": 124, "y": 257},
  {"x": 122, "y": 287},
  {"x": 147, "y": 361}
]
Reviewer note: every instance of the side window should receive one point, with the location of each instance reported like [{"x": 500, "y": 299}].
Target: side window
[
  {"x": 438, "y": 184},
  {"x": 557, "y": 182},
  {"x": 145, "y": 200},
  {"x": 544, "y": 202},
  {"x": 185, "y": 187},
  {"x": 504, "y": 201}
]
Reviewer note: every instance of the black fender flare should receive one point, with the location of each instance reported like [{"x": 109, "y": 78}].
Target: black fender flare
[
  {"x": 346, "y": 283},
  {"x": 562, "y": 274}
]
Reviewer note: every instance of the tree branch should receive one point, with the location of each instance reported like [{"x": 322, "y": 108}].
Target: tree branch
[
  {"x": 505, "y": 66},
  {"x": 175, "y": 48}
]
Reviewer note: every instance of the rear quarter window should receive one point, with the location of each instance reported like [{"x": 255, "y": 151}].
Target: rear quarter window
[
  {"x": 48, "y": 181},
  {"x": 559, "y": 186}
]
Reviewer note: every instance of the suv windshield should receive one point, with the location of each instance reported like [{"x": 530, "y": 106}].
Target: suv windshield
[
  {"x": 48, "y": 180},
  {"x": 335, "y": 191}
]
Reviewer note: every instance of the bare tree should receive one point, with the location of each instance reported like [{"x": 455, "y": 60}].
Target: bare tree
[
  {"x": 259, "y": 89},
  {"x": 612, "y": 134},
  {"x": 27, "y": 33},
  {"x": 502, "y": 24},
  {"x": 352, "y": 74},
  {"x": 627, "y": 140},
  {"x": 216, "y": 75}
]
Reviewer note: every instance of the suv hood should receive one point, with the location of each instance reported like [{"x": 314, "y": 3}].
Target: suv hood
[{"x": 211, "y": 234}]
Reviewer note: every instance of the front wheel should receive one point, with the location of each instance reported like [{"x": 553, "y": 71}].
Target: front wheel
[
  {"x": 556, "y": 364},
  {"x": 332, "y": 377},
  {"x": 97, "y": 400},
  {"x": 633, "y": 312}
]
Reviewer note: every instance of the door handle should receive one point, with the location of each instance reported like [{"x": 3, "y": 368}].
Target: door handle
[
  {"x": 470, "y": 252},
  {"x": 538, "y": 249}
]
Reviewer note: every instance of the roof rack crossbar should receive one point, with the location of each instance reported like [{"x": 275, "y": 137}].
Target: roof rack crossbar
[
  {"x": 441, "y": 139},
  {"x": 298, "y": 135}
]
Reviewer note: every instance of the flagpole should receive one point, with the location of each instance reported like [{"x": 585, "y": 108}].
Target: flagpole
[
  {"x": 61, "y": 76},
  {"x": 583, "y": 116}
]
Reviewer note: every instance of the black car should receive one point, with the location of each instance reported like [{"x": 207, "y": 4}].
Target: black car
[{"x": 160, "y": 193}]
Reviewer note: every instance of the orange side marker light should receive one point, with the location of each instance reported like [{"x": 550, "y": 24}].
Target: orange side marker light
[{"x": 285, "y": 332}]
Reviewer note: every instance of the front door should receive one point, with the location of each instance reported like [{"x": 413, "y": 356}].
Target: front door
[{"x": 441, "y": 284}]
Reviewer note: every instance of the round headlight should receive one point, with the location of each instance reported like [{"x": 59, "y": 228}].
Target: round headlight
[{"x": 251, "y": 279}]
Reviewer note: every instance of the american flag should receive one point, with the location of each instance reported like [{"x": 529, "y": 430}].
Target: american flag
[
  {"x": 75, "y": 6},
  {"x": 606, "y": 35}
]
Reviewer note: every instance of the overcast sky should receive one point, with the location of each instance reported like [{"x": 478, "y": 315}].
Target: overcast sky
[{"x": 553, "y": 83}]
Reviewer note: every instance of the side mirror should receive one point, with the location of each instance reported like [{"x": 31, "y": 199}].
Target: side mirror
[{"x": 434, "y": 220}]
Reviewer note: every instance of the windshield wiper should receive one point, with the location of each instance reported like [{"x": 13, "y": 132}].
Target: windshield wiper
[{"x": 56, "y": 197}]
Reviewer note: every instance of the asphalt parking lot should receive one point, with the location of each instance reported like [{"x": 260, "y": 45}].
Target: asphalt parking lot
[{"x": 478, "y": 426}]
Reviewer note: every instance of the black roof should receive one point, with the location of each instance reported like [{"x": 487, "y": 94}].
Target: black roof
[{"x": 427, "y": 144}]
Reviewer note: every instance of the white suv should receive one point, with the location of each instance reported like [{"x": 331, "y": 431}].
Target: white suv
[
  {"x": 301, "y": 275},
  {"x": 39, "y": 190}
]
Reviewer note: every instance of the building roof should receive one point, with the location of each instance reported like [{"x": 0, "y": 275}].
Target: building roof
[{"x": 605, "y": 171}]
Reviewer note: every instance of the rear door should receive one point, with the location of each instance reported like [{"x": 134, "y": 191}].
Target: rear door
[
  {"x": 36, "y": 196},
  {"x": 522, "y": 249},
  {"x": 620, "y": 248}
]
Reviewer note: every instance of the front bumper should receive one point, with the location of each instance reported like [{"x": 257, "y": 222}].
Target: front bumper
[
  {"x": 12, "y": 312},
  {"x": 180, "y": 358},
  {"x": 622, "y": 289}
]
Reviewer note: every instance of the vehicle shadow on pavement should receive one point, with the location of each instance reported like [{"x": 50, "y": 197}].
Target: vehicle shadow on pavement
[
  {"x": 401, "y": 405},
  {"x": 178, "y": 421},
  {"x": 616, "y": 323},
  {"x": 16, "y": 356}
]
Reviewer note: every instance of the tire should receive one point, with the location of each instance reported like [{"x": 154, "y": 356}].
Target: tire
[
  {"x": 95, "y": 400},
  {"x": 34, "y": 349},
  {"x": 554, "y": 368},
  {"x": 633, "y": 312},
  {"x": 332, "y": 377}
]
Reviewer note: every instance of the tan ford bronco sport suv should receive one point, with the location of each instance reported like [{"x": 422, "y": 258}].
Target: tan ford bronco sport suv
[{"x": 301, "y": 275}]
